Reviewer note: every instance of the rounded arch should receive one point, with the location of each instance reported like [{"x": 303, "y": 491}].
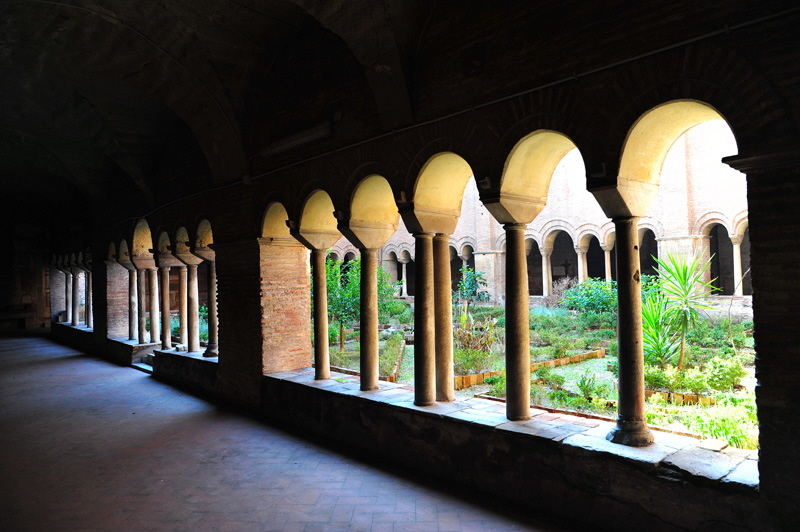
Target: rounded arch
[
  {"x": 654, "y": 133},
  {"x": 373, "y": 213},
  {"x": 741, "y": 223},
  {"x": 142, "y": 239},
  {"x": 527, "y": 173},
  {"x": 112, "y": 251},
  {"x": 205, "y": 236},
  {"x": 124, "y": 253},
  {"x": 439, "y": 190},
  {"x": 181, "y": 241},
  {"x": 164, "y": 244},
  {"x": 317, "y": 213},
  {"x": 551, "y": 229},
  {"x": 273, "y": 224},
  {"x": 707, "y": 221}
]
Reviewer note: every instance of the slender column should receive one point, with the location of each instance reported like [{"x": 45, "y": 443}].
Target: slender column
[
  {"x": 404, "y": 285},
  {"x": 547, "y": 272},
  {"x": 154, "y": 307},
  {"x": 166, "y": 325},
  {"x": 424, "y": 323},
  {"x": 182, "y": 303},
  {"x": 142, "y": 295},
  {"x": 582, "y": 265},
  {"x": 737, "y": 266},
  {"x": 89, "y": 319},
  {"x": 213, "y": 323},
  {"x": 443, "y": 308},
  {"x": 133, "y": 307},
  {"x": 68, "y": 296},
  {"x": 631, "y": 426},
  {"x": 322, "y": 359},
  {"x": 369, "y": 319},
  {"x": 607, "y": 256},
  {"x": 518, "y": 355},
  {"x": 76, "y": 298},
  {"x": 193, "y": 302}
]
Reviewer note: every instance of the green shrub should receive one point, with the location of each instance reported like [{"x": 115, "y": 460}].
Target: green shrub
[
  {"x": 470, "y": 361},
  {"x": 724, "y": 374},
  {"x": 592, "y": 295},
  {"x": 498, "y": 384},
  {"x": 544, "y": 352},
  {"x": 553, "y": 380},
  {"x": 654, "y": 378},
  {"x": 389, "y": 354},
  {"x": 561, "y": 345},
  {"x": 658, "y": 339},
  {"x": 554, "y": 321},
  {"x": 728, "y": 423},
  {"x": 590, "y": 387},
  {"x": 591, "y": 319},
  {"x": 695, "y": 381}
]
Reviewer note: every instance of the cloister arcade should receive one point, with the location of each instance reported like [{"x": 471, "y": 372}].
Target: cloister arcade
[{"x": 620, "y": 249}]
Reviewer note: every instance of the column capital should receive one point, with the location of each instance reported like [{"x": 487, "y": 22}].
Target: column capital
[
  {"x": 581, "y": 249},
  {"x": 546, "y": 252},
  {"x": 736, "y": 240}
]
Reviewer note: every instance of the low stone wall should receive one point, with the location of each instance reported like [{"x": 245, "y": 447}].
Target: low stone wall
[
  {"x": 555, "y": 463},
  {"x": 188, "y": 371}
]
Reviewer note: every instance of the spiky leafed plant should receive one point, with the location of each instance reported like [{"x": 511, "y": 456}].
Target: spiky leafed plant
[
  {"x": 658, "y": 336},
  {"x": 683, "y": 285}
]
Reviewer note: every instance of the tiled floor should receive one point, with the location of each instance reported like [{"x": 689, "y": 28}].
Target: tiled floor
[{"x": 86, "y": 445}]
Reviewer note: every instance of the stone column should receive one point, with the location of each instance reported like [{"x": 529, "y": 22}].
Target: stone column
[
  {"x": 193, "y": 304},
  {"x": 547, "y": 272},
  {"x": 424, "y": 323},
  {"x": 213, "y": 323},
  {"x": 133, "y": 307},
  {"x": 153, "y": 304},
  {"x": 607, "y": 256},
  {"x": 322, "y": 359},
  {"x": 369, "y": 319},
  {"x": 738, "y": 290},
  {"x": 518, "y": 355},
  {"x": 166, "y": 325},
  {"x": 76, "y": 298},
  {"x": 142, "y": 295},
  {"x": 68, "y": 296},
  {"x": 182, "y": 303},
  {"x": 582, "y": 265},
  {"x": 443, "y": 312},
  {"x": 404, "y": 283},
  {"x": 89, "y": 319},
  {"x": 631, "y": 426}
]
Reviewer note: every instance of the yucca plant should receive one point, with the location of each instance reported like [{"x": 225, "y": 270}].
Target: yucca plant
[
  {"x": 658, "y": 339},
  {"x": 682, "y": 283}
]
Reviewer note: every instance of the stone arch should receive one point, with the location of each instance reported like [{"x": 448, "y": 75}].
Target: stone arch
[
  {"x": 740, "y": 224},
  {"x": 526, "y": 176},
  {"x": 373, "y": 213},
  {"x": 551, "y": 229},
  {"x": 112, "y": 251},
  {"x": 318, "y": 225},
  {"x": 142, "y": 240},
  {"x": 182, "y": 241},
  {"x": 706, "y": 222},
  {"x": 273, "y": 223},
  {"x": 163, "y": 244},
  {"x": 205, "y": 236},
  {"x": 438, "y": 193}
]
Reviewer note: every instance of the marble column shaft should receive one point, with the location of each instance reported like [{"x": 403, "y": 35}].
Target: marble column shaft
[
  {"x": 369, "y": 319},
  {"x": 322, "y": 359},
  {"x": 443, "y": 312},
  {"x": 518, "y": 357},
  {"x": 424, "y": 322}
]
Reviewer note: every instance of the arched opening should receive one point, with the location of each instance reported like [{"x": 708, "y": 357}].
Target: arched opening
[
  {"x": 744, "y": 249},
  {"x": 455, "y": 268},
  {"x": 534, "y": 259},
  {"x": 721, "y": 252},
  {"x": 595, "y": 259},
  {"x": 648, "y": 252},
  {"x": 409, "y": 281},
  {"x": 564, "y": 259}
]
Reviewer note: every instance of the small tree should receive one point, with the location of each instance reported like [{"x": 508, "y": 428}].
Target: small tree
[
  {"x": 683, "y": 285},
  {"x": 470, "y": 288},
  {"x": 344, "y": 293}
]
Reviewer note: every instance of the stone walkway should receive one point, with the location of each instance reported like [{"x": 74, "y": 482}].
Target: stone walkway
[{"x": 87, "y": 446}]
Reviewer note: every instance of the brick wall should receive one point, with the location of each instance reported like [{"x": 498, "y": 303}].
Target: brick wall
[{"x": 117, "y": 300}]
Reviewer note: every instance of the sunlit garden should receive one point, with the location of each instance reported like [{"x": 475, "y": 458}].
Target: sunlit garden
[{"x": 699, "y": 376}]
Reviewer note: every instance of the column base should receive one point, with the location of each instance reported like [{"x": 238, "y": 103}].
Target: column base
[
  {"x": 631, "y": 432},
  {"x": 369, "y": 387},
  {"x": 211, "y": 352}
]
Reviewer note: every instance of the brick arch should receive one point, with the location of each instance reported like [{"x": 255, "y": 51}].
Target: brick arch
[
  {"x": 585, "y": 232},
  {"x": 702, "y": 226},
  {"x": 459, "y": 243},
  {"x": 741, "y": 221},
  {"x": 550, "y": 230},
  {"x": 720, "y": 78}
]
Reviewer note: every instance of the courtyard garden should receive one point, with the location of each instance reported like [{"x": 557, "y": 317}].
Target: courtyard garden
[{"x": 699, "y": 375}]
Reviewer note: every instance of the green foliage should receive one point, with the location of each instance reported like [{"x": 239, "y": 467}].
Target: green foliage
[
  {"x": 720, "y": 334},
  {"x": 654, "y": 378},
  {"x": 590, "y": 387},
  {"x": 555, "y": 321},
  {"x": 651, "y": 284},
  {"x": 344, "y": 293},
  {"x": 591, "y": 319},
  {"x": 498, "y": 384},
  {"x": 476, "y": 335},
  {"x": 470, "y": 287},
  {"x": 468, "y": 361},
  {"x": 592, "y": 295},
  {"x": 203, "y": 311},
  {"x": 551, "y": 379},
  {"x": 658, "y": 340},
  {"x": 695, "y": 380},
  {"x": 389, "y": 354},
  {"x": 724, "y": 374},
  {"x": 682, "y": 283},
  {"x": 728, "y": 423}
]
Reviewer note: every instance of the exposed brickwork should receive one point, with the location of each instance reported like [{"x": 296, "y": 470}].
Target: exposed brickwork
[{"x": 117, "y": 300}]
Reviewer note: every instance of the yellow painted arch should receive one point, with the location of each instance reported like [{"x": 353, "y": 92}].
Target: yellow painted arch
[{"x": 274, "y": 224}]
